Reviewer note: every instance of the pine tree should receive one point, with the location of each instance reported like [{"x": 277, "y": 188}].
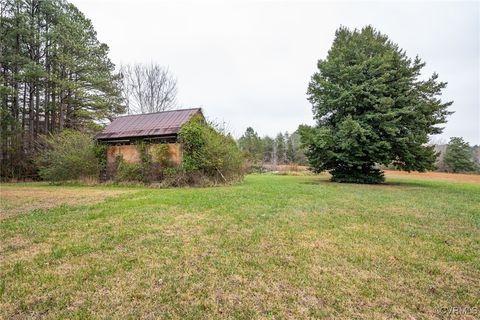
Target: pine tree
[
  {"x": 281, "y": 149},
  {"x": 55, "y": 74},
  {"x": 299, "y": 156},
  {"x": 459, "y": 156},
  {"x": 290, "y": 148},
  {"x": 268, "y": 149},
  {"x": 251, "y": 145},
  {"x": 371, "y": 108}
]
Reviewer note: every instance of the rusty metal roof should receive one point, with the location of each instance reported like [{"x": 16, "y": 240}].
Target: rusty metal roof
[{"x": 148, "y": 125}]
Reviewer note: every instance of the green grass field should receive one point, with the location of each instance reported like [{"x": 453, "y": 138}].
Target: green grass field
[{"x": 274, "y": 247}]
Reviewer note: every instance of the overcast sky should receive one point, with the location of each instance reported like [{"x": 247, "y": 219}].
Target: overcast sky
[{"x": 248, "y": 63}]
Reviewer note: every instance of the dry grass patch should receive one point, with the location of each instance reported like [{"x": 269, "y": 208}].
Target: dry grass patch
[
  {"x": 15, "y": 200},
  {"x": 435, "y": 176}
]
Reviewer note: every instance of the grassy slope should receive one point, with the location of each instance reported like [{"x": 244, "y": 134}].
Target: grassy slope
[{"x": 273, "y": 247}]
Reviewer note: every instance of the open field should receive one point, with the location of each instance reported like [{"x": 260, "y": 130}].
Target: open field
[{"x": 274, "y": 247}]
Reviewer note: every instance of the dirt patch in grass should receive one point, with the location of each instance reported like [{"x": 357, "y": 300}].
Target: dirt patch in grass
[
  {"x": 16, "y": 200},
  {"x": 444, "y": 176}
]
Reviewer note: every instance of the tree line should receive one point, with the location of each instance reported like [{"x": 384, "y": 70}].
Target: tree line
[
  {"x": 284, "y": 148},
  {"x": 370, "y": 105},
  {"x": 55, "y": 75},
  {"x": 456, "y": 156}
]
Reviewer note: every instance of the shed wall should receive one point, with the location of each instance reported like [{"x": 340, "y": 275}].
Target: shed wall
[{"x": 131, "y": 154}]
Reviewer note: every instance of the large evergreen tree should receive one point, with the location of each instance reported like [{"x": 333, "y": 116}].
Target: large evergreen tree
[
  {"x": 54, "y": 74},
  {"x": 371, "y": 108}
]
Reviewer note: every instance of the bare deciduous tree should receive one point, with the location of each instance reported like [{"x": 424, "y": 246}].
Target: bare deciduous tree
[{"x": 148, "y": 88}]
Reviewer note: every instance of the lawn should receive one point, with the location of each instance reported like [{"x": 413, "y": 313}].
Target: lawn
[{"x": 274, "y": 247}]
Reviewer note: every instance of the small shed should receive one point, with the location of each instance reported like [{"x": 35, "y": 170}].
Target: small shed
[{"x": 125, "y": 132}]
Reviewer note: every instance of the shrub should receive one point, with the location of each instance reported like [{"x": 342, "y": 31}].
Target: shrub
[
  {"x": 68, "y": 155},
  {"x": 255, "y": 168},
  {"x": 100, "y": 151},
  {"x": 161, "y": 155},
  {"x": 210, "y": 153},
  {"x": 130, "y": 172}
]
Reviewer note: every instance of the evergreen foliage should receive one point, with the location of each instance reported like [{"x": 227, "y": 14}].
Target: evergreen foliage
[
  {"x": 284, "y": 149},
  {"x": 268, "y": 149},
  {"x": 371, "y": 109},
  {"x": 280, "y": 149},
  {"x": 459, "y": 156},
  {"x": 251, "y": 145},
  {"x": 55, "y": 75}
]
